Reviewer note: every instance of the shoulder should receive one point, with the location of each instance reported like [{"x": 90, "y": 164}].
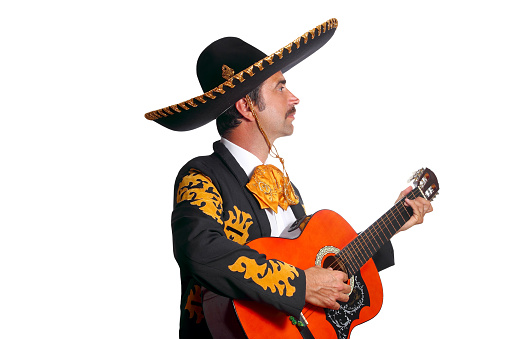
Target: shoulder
[
  {"x": 219, "y": 162},
  {"x": 209, "y": 166}
]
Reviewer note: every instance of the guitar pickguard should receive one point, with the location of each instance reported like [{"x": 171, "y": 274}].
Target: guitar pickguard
[{"x": 342, "y": 319}]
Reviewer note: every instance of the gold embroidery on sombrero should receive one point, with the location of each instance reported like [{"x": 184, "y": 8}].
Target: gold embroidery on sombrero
[
  {"x": 227, "y": 72},
  {"x": 297, "y": 42},
  {"x": 167, "y": 110},
  {"x": 249, "y": 70},
  {"x": 305, "y": 37},
  {"x": 183, "y": 105},
  {"x": 219, "y": 89},
  {"x": 328, "y": 25},
  {"x": 279, "y": 53},
  {"x": 239, "y": 76},
  {"x": 237, "y": 225},
  {"x": 269, "y": 59},
  {"x": 191, "y": 103},
  {"x": 209, "y": 95},
  {"x": 199, "y": 191},
  {"x": 229, "y": 83},
  {"x": 312, "y": 32},
  {"x": 259, "y": 65},
  {"x": 200, "y": 99},
  {"x": 289, "y": 47},
  {"x": 276, "y": 277},
  {"x": 194, "y": 304}
]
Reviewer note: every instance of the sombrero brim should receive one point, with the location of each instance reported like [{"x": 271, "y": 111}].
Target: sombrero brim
[{"x": 205, "y": 108}]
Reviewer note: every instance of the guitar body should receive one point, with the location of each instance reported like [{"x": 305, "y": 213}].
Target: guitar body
[
  {"x": 325, "y": 231},
  {"x": 325, "y": 234}
]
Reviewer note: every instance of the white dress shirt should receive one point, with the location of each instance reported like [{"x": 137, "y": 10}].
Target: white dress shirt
[{"x": 279, "y": 221}]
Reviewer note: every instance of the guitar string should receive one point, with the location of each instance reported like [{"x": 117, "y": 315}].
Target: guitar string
[
  {"x": 310, "y": 309},
  {"x": 370, "y": 230},
  {"x": 361, "y": 244},
  {"x": 372, "y": 233},
  {"x": 356, "y": 245},
  {"x": 398, "y": 207}
]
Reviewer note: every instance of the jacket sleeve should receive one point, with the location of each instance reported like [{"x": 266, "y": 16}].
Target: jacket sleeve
[
  {"x": 384, "y": 258},
  {"x": 205, "y": 253}
]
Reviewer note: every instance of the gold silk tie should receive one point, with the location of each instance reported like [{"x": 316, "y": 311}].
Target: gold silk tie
[{"x": 271, "y": 188}]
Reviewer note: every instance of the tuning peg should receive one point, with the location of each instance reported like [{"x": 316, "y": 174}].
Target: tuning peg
[{"x": 416, "y": 175}]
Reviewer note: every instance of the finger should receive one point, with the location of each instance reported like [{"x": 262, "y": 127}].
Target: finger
[
  {"x": 418, "y": 210},
  {"x": 331, "y": 298},
  {"x": 428, "y": 207},
  {"x": 404, "y": 193},
  {"x": 424, "y": 206},
  {"x": 344, "y": 297},
  {"x": 335, "y": 306},
  {"x": 343, "y": 276}
]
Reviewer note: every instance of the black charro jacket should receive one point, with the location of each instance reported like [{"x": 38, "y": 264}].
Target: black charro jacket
[{"x": 214, "y": 216}]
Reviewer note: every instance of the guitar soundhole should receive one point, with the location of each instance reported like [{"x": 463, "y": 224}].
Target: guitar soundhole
[{"x": 335, "y": 263}]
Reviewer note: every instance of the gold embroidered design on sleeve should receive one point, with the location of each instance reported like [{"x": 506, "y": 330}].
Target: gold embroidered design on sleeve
[
  {"x": 276, "y": 277},
  {"x": 237, "y": 225},
  {"x": 194, "y": 304},
  {"x": 199, "y": 191},
  {"x": 328, "y": 25}
]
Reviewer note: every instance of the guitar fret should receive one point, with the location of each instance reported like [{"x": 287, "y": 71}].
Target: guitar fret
[
  {"x": 371, "y": 236},
  {"x": 390, "y": 229},
  {"x": 399, "y": 216},
  {"x": 370, "y": 246},
  {"x": 345, "y": 260},
  {"x": 352, "y": 253},
  {"x": 396, "y": 216},
  {"x": 360, "y": 250},
  {"x": 381, "y": 231}
]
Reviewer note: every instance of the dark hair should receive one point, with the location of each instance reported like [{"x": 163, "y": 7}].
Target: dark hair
[{"x": 231, "y": 117}]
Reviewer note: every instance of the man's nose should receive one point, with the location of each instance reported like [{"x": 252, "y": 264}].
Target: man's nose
[{"x": 293, "y": 99}]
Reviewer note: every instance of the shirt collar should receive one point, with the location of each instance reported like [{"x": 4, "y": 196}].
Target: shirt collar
[{"x": 247, "y": 160}]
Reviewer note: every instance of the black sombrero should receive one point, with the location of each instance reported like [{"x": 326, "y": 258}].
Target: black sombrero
[{"x": 229, "y": 68}]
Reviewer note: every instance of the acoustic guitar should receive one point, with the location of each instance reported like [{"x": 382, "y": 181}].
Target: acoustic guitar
[{"x": 327, "y": 240}]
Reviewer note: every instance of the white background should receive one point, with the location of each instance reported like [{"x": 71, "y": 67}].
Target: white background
[{"x": 86, "y": 181}]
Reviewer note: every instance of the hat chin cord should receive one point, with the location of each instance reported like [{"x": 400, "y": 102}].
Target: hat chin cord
[{"x": 272, "y": 149}]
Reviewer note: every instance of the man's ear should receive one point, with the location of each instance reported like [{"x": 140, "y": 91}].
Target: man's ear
[{"x": 244, "y": 110}]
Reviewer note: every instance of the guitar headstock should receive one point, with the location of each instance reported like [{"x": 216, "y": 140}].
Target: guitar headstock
[{"x": 427, "y": 182}]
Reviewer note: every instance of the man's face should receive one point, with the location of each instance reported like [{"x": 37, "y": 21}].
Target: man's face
[{"x": 278, "y": 106}]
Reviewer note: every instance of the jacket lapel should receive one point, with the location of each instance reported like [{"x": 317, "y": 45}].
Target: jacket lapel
[{"x": 242, "y": 179}]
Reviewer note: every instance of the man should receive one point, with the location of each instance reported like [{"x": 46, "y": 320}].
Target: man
[{"x": 229, "y": 198}]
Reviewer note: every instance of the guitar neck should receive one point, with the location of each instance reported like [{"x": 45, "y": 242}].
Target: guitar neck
[{"x": 365, "y": 245}]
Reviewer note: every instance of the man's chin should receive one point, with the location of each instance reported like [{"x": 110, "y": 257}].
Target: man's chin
[{"x": 289, "y": 131}]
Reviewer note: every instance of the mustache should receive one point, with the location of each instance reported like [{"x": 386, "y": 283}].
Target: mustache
[{"x": 290, "y": 111}]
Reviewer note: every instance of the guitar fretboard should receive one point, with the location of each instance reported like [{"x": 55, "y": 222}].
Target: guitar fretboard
[{"x": 365, "y": 245}]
